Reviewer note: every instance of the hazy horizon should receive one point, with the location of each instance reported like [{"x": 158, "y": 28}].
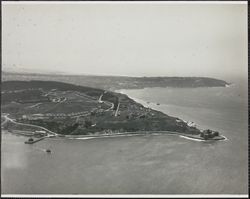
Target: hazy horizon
[{"x": 206, "y": 40}]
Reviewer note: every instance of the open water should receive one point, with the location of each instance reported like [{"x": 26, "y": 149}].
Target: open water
[{"x": 163, "y": 164}]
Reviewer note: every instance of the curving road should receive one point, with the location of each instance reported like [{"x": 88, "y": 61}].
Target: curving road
[
  {"x": 107, "y": 103},
  {"x": 7, "y": 119}
]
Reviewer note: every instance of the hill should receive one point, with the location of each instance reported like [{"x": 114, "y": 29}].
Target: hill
[
  {"x": 70, "y": 109},
  {"x": 120, "y": 82}
]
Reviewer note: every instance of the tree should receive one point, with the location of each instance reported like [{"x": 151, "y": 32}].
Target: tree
[
  {"x": 87, "y": 124},
  {"x": 70, "y": 129}
]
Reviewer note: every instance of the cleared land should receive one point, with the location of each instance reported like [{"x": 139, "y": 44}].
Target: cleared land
[{"x": 75, "y": 110}]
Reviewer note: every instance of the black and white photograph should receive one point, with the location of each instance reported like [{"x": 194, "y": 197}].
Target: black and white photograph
[{"x": 124, "y": 99}]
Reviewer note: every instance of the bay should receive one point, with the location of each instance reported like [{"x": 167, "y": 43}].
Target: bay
[{"x": 162, "y": 164}]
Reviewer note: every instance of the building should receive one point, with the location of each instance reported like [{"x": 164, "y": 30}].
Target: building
[{"x": 209, "y": 134}]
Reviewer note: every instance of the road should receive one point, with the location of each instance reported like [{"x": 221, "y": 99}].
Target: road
[
  {"x": 100, "y": 98},
  {"x": 7, "y": 119},
  {"x": 23, "y": 124},
  {"x": 4, "y": 122},
  {"x": 85, "y": 114},
  {"x": 107, "y": 103},
  {"x": 84, "y": 95},
  {"x": 35, "y": 105},
  {"x": 116, "y": 112}
]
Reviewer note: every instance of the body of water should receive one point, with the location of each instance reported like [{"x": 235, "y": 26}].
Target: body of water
[{"x": 163, "y": 164}]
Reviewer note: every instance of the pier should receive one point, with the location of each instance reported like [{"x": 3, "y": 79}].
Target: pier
[{"x": 31, "y": 141}]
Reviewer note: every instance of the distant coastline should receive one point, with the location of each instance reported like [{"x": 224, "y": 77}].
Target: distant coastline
[{"x": 120, "y": 82}]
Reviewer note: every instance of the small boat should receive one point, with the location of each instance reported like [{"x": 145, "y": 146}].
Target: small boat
[
  {"x": 158, "y": 103},
  {"x": 48, "y": 150}
]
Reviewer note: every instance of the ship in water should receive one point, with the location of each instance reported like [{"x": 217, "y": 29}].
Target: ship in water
[{"x": 48, "y": 151}]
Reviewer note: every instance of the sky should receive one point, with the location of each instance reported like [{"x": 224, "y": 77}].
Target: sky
[{"x": 132, "y": 39}]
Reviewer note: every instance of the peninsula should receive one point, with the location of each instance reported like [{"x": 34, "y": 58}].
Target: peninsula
[
  {"x": 119, "y": 82},
  {"x": 50, "y": 108}
]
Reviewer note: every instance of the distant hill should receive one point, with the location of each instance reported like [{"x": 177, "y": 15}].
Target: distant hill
[{"x": 120, "y": 82}]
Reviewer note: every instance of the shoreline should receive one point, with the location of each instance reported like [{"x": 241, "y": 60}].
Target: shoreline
[
  {"x": 146, "y": 105},
  {"x": 149, "y": 105},
  {"x": 150, "y": 133},
  {"x": 145, "y": 133}
]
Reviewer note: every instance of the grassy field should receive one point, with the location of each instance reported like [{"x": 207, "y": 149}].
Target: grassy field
[{"x": 97, "y": 110}]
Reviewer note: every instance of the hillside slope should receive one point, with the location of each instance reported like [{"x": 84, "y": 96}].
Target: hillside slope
[{"x": 70, "y": 109}]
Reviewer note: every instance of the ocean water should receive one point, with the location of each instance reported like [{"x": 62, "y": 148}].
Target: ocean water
[{"x": 163, "y": 164}]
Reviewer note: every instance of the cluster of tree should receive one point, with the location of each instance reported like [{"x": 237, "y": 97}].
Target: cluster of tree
[
  {"x": 24, "y": 96},
  {"x": 87, "y": 124},
  {"x": 69, "y": 129}
]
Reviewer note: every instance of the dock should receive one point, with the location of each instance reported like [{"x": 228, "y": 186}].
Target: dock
[{"x": 31, "y": 141}]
